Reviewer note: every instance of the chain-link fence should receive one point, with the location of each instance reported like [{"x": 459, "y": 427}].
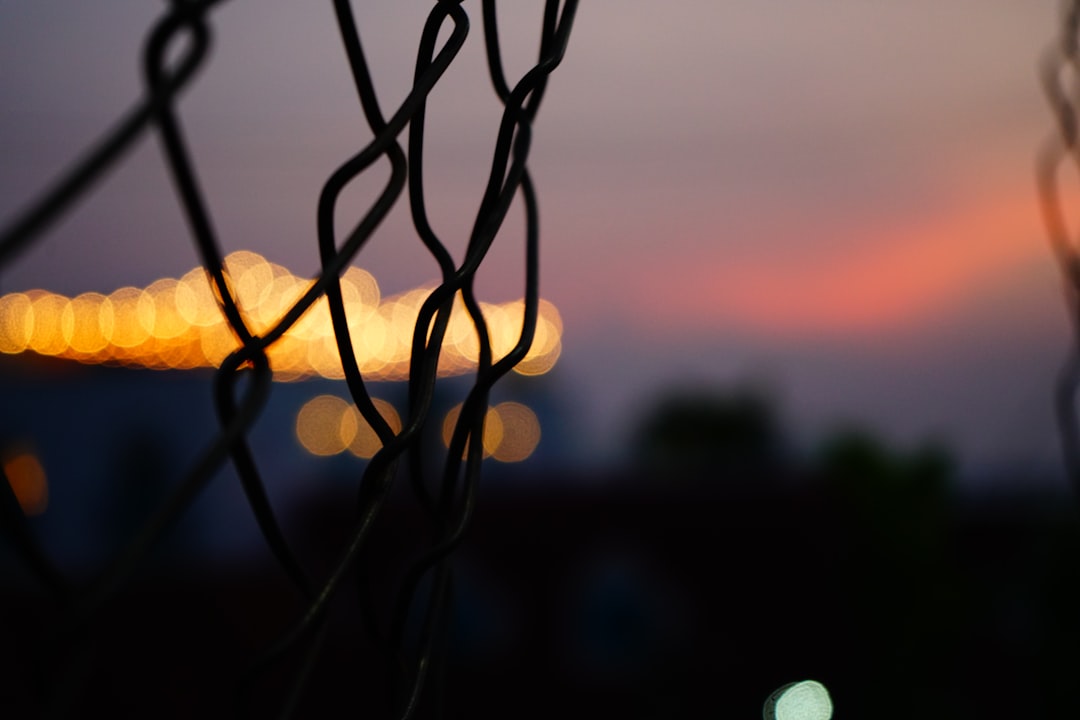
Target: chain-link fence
[
  {"x": 413, "y": 640},
  {"x": 1058, "y": 69}
]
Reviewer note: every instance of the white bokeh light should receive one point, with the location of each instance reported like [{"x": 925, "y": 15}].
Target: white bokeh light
[{"x": 806, "y": 700}]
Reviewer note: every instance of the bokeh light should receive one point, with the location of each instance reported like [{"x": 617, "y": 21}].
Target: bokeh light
[
  {"x": 85, "y": 318},
  {"x": 521, "y": 432},
  {"x": 493, "y": 430},
  {"x": 51, "y": 335},
  {"x": 365, "y": 442},
  {"x": 249, "y": 276},
  {"x": 16, "y": 323},
  {"x": 128, "y": 318},
  {"x": 320, "y": 422},
  {"x": 511, "y": 431},
  {"x": 26, "y": 477},
  {"x": 178, "y": 324},
  {"x": 168, "y": 322},
  {"x": 806, "y": 700},
  {"x": 547, "y": 342},
  {"x": 285, "y": 290},
  {"x": 360, "y": 292},
  {"x": 288, "y": 358},
  {"x": 216, "y": 342},
  {"x": 195, "y": 299},
  {"x": 329, "y": 425}
]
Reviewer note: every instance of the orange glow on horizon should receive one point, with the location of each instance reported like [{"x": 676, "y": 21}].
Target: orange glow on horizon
[
  {"x": 902, "y": 275},
  {"x": 177, "y": 324}
]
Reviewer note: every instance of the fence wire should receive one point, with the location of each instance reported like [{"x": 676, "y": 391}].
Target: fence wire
[
  {"x": 1059, "y": 71},
  {"x": 242, "y": 382}
]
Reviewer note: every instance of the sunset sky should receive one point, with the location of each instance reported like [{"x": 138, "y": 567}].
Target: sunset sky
[{"x": 836, "y": 198}]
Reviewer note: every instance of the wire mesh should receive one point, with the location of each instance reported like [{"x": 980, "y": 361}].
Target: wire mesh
[
  {"x": 242, "y": 382},
  {"x": 1058, "y": 71}
]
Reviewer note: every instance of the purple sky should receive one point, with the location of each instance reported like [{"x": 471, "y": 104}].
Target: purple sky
[{"x": 836, "y": 197}]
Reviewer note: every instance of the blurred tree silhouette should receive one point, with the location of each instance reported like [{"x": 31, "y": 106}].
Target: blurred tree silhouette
[
  {"x": 908, "y": 595},
  {"x": 140, "y": 475},
  {"x": 900, "y": 498},
  {"x": 689, "y": 433}
]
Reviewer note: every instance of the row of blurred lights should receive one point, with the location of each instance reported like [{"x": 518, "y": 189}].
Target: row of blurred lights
[
  {"x": 328, "y": 425},
  {"x": 178, "y": 324}
]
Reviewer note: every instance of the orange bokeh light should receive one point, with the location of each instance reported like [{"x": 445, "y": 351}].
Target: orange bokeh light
[
  {"x": 521, "y": 432},
  {"x": 493, "y": 430},
  {"x": 178, "y": 324},
  {"x": 319, "y": 425},
  {"x": 26, "y": 477},
  {"x": 365, "y": 442}
]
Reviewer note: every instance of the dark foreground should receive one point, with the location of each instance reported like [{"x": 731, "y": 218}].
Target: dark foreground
[{"x": 632, "y": 603}]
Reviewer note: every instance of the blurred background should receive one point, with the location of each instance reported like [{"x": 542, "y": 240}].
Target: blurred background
[{"x": 799, "y": 423}]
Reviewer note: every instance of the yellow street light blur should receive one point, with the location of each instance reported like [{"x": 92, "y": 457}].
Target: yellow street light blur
[
  {"x": 319, "y": 425},
  {"x": 51, "y": 335},
  {"x": 493, "y": 430},
  {"x": 195, "y": 299},
  {"x": 85, "y": 312},
  {"x": 365, "y": 442},
  {"x": 521, "y": 432},
  {"x": 16, "y": 322},
  {"x": 179, "y": 324}
]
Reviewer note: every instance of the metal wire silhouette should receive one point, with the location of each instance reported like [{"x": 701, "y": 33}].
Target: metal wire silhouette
[
  {"x": 1059, "y": 71},
  {"x": 242, "y": 382}
]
